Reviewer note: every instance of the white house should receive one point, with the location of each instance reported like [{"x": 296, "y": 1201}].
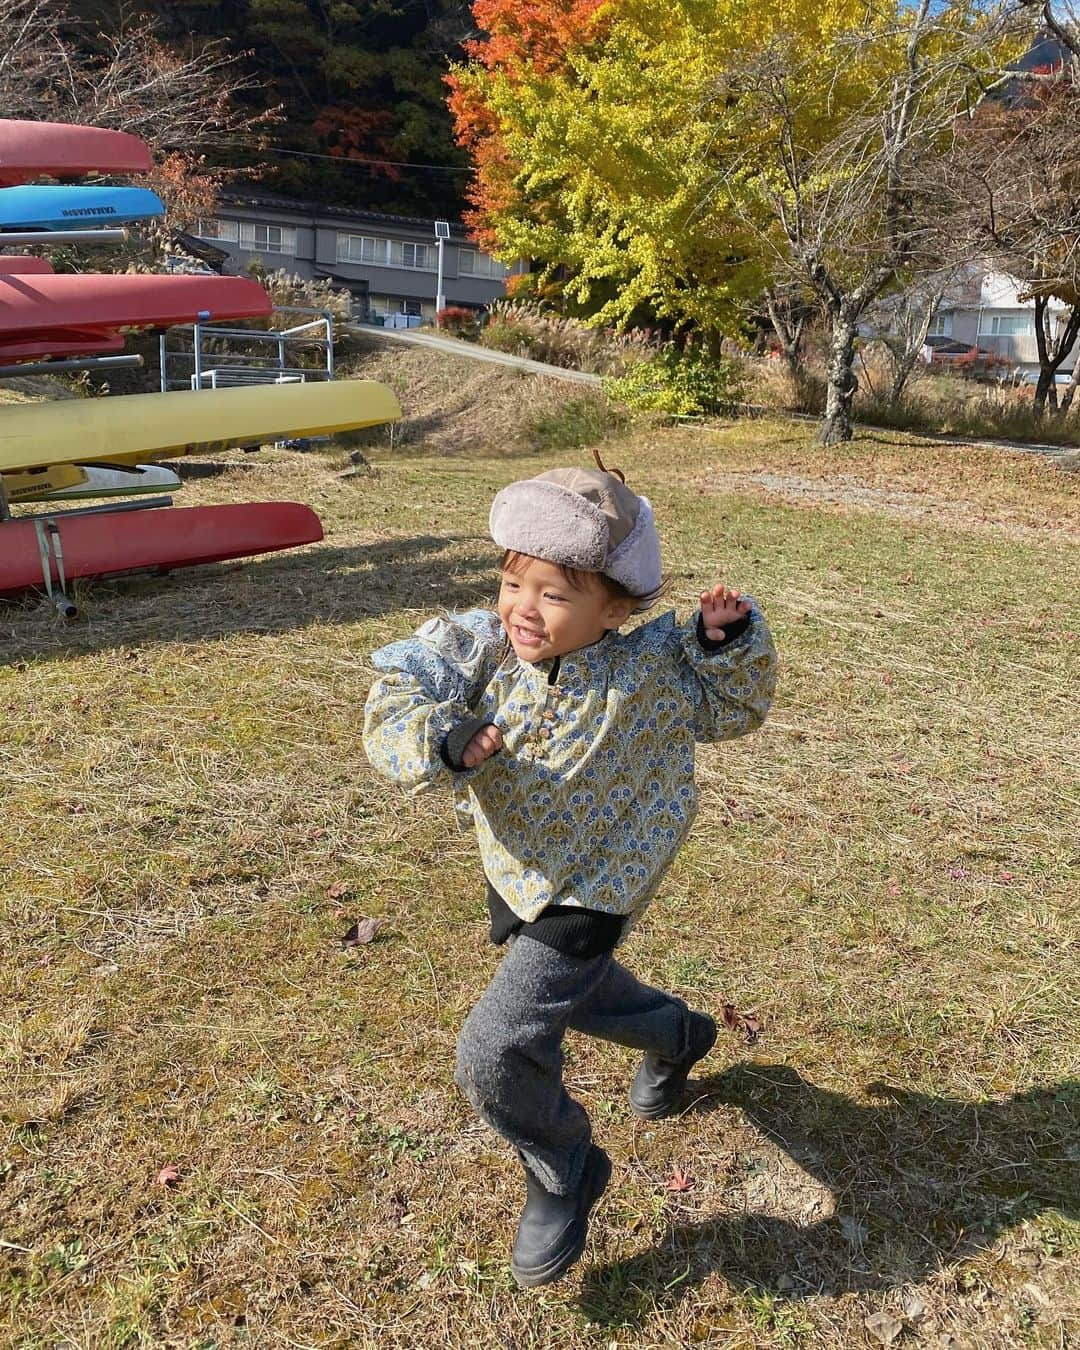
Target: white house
[{"x": 986, "y": 311}]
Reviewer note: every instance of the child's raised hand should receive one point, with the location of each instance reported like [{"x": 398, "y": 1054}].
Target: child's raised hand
[
  {"x": 482, "y": 746},
  {"x": 721, "y": 606}
]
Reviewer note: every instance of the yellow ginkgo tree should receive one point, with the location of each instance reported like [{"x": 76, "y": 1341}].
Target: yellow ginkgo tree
[
  {"x": 680, "y": 157},
  {"x": 841, "y": 153}
]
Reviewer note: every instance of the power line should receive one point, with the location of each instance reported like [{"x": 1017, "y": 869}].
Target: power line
[{"x": 368, "y": 163}]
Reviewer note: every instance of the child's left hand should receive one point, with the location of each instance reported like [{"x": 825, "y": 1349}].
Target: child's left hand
[{"x": 721, "y": 606}]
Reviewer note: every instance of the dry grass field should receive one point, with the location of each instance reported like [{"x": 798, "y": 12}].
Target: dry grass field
[{"x": 220, "y": 1127}]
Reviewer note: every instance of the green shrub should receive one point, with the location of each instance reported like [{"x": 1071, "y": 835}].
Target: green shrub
[
  {"x": 503, "y": 335},
  {"x": 680, "y": 382},
  {"x": 574, "y": 424}
]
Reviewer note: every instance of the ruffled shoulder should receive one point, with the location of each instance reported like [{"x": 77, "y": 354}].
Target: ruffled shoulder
[{"x": 448, "y": 655}]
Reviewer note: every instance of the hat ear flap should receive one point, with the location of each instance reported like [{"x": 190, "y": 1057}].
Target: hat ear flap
[{"x": 635, "y": 563}]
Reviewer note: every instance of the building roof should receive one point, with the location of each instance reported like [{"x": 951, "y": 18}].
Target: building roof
[{"x": 255, "y": 198}]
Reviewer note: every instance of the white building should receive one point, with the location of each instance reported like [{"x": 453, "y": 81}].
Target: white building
[{"x": 985, "y": 311}]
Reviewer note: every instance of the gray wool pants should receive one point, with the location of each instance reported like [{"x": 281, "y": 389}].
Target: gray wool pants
[{"x": 510, "y": 1056}]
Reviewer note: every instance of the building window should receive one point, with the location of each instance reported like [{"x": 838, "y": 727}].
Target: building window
[
  {"x": 362, "y": 248},
  {"x": 473, "y": 263},
  {"x": 267, "y": 238},
  {"x": 228, "y": 231},
  {"x": 940, "y": 324},
  {"x": 1011, "y": 325},
  {"x": 415, "y": 255},
  {"x": 413, "y": 307}
]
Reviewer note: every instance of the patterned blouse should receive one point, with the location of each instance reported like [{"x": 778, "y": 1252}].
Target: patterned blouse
[{"x": 593, "y": 791}]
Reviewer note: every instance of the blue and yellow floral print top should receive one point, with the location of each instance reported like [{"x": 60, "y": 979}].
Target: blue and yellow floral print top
[{"x": 593, "y": 791}]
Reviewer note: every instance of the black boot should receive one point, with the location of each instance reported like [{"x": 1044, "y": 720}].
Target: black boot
[
  {"x": 658, "y": 1088},
  {"x": 552, "y": 1230}
]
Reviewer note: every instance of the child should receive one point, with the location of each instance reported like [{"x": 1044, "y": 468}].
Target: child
[{"x": 571, "y": 746}]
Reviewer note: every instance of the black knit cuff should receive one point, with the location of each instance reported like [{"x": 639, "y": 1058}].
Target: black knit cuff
[
  {"x": 456, "y": 741},
  {"x": 731, "y": 632},
  {"x": 583, "y": 933}
]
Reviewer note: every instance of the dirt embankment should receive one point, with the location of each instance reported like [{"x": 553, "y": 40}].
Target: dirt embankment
[{"x": 452, "y": 404}]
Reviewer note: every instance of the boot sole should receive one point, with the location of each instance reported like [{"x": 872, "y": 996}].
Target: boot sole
[{"x": 558, "y": 1265}]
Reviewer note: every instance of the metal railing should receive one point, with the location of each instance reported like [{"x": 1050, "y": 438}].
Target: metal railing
[
  {"x": 231, "y": 377},
  {"x": 205, "y": 361}
]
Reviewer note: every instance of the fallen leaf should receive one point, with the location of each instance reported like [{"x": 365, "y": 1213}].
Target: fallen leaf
[
  {"x": 336, "y": 890},
  {"x": 748, "y": 1023},
  {"x": 319, "y": 833},
  {"x": 361, "y": 932},
  {"x": 168, "y": 1176},
  {"x": 883, "y": 1327},
  {"x": 679, "y": 1180}
]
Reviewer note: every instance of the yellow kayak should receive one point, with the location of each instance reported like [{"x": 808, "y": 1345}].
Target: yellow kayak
[
  {"x": 29, "y": 484},
  {"x": 140, "y": 427}
]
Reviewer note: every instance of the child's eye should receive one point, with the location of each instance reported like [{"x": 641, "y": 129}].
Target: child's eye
[
  {"x": 509, "y": 585},
  {"x": 550, "y": 595}
]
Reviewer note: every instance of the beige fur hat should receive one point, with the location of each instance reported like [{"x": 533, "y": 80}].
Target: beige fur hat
[{"x": 584, "y": 518}]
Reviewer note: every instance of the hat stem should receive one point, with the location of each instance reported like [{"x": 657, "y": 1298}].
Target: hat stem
[{"x": 615, "y": 473}]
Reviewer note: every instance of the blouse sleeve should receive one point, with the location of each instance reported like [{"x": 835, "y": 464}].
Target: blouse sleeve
[
  {"x": 732, "y": 686},
  {"x": 427, "y": 685}
]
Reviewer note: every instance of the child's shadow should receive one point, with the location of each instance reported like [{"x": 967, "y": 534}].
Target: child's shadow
[{"x": 919, "y": 1182}]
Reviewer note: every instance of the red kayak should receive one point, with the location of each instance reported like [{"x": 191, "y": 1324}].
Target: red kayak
[
  {"x": 70, "y": 344},
  {"x": 23, "y": 264},
  {"x": 113, "y": 543},
  {"x": 29, "y": 150},
  {"x": 69, "y": 315}
]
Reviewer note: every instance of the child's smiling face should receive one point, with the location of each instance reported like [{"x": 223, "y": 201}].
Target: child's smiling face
[{"x": 545, "y": 616}]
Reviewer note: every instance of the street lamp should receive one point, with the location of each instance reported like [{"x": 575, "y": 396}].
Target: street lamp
[{"x": 442, "y": 233}]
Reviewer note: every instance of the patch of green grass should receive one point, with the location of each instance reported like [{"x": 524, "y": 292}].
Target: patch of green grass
[
  {"x": 577, "y": 423},
  {"x": 786, "y": 1324}
]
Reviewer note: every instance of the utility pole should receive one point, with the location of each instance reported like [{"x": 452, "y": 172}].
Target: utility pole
[{"x": 442, "y": 233}]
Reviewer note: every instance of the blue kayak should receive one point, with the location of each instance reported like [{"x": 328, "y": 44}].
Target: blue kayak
[{"x": 69, "y": 208}]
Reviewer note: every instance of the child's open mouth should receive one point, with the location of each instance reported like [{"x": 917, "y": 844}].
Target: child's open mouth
[{"x": 526, "y": 637}]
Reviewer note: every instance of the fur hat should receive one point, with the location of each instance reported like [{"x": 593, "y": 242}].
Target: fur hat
[{"x": 583, "y": 518}]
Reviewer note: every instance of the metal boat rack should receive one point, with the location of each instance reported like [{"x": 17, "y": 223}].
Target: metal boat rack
[{"x": 215, "y": 356}]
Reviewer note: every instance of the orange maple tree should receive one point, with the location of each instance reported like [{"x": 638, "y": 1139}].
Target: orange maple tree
[{"x": 518, "y": 38}]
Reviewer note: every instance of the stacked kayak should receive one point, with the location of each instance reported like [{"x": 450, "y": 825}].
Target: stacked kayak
[
  {"x": 76, "y": 315},
  {"x": 141, "y": 427},
  {"x": 71, "y": 208},
  {"x": 108, "y": 480},
  {"x": 64, "y": 451},
  {"x": 52, "y": 550},
  {"x": 64, "y": 482},
  {"x": 31, "y": 150}
]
